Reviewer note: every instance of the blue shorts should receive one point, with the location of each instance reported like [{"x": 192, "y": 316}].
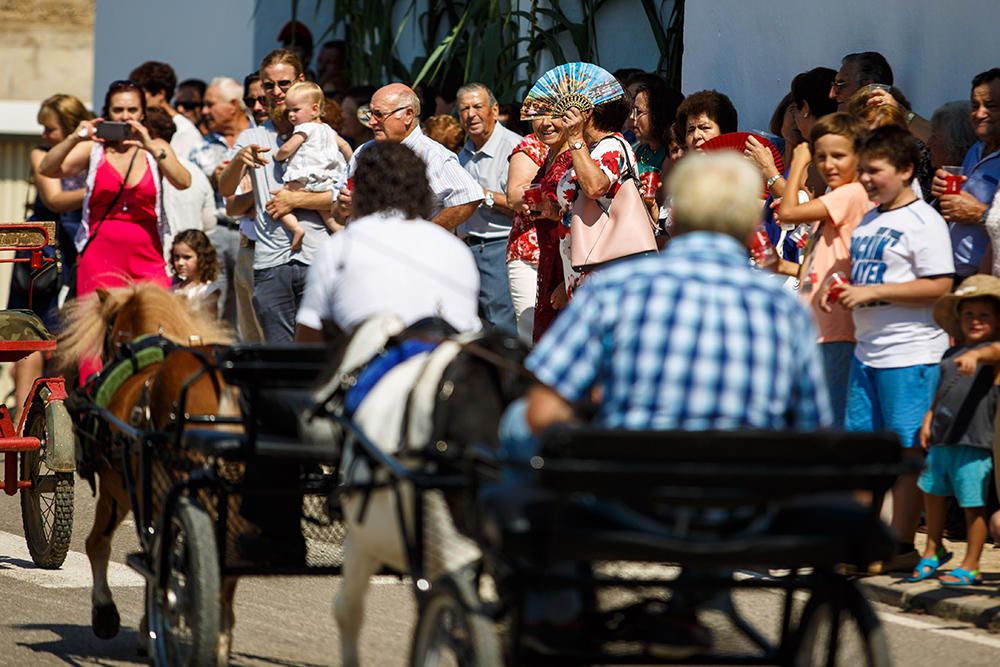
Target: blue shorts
[
  {"x": 837, "y": 368},
  {"x": 894, "y": 399},
  {"x": 958, "y": 470}
]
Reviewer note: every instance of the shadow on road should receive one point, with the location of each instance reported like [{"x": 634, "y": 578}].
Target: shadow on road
[
  {"x": 76, "y": 645},
  {"x": 250, "y": 660},
  {"x": 10, "y": 563}
]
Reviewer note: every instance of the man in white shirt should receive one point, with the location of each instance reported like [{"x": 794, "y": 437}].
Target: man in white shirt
[
  {"x": 486, "y": 156},
  {"x": 158, "y": 81},
  {"x": 395, "y": 116},
  {"x": 390, "y": 259}
]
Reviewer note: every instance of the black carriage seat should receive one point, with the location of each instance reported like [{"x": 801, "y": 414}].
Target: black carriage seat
[
  {"x": 275, "y": 383},
  {"x": 711, "y": 498},
  {"x": 21, "y": 333}
]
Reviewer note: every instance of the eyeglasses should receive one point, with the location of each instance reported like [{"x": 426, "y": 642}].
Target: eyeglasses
[
  {"x": 284, "y": 84},
  {"x": 837, "y": 85},
  {"x": 636, "y": 112},
  {"x": 251, "y": 101},
  {"x": 181, "y": 105},
  {"x": 366, "y": 114}
]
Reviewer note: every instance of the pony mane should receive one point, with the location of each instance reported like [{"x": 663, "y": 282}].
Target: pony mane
[{"x": 85, "y": 320}]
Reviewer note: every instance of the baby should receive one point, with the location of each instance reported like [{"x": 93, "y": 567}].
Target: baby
[{"x": 313, "y": 156}]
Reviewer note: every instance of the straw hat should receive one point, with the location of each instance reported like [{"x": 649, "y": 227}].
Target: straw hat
[{"x": 973, "y": 287}]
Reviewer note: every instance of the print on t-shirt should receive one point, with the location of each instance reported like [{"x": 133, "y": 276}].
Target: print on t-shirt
[{"x": 867, "y": 262}]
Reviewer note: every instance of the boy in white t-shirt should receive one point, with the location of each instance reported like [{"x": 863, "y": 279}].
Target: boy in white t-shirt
[{"x": 901, "y": 263}]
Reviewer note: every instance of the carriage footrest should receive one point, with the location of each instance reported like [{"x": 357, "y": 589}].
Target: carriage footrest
[
  {"x": 270, "y": 446},
  {"x": 216, "y": 443},
  {"x": 138, "y": 562},
  {"x": 26, "y": 444}
]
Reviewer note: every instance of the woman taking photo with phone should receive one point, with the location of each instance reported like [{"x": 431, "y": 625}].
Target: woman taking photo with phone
[{"x": 121, "y": 235}]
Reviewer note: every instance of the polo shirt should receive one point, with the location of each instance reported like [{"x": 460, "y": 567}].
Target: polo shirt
[
  {"x": 489, "y": 166},
  {"x": 969, "y": 239}
]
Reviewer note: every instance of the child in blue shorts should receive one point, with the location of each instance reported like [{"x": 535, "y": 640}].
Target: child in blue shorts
[
  {"x": 958, "y": 430},
  {"x": 901, "y": 263}
]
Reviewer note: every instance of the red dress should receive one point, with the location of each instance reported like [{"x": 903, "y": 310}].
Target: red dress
[
  {"x": 550, "y": 269},
  {"x": 125, "y": 247}
]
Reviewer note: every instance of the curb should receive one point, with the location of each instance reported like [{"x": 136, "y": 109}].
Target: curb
[{"x": 979, "y": 607}]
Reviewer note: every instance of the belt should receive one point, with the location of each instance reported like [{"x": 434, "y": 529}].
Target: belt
[
  {"x": 482, "y": 240},
  {"x": 229, "y": 223}
]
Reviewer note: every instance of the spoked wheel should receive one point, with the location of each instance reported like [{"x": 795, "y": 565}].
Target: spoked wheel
[
  {"x": 184, "y": 615},
  {"x": 840, "y": 632},
  {"x": 46, "y": 507},
  {"x": 449, "y": 633}
]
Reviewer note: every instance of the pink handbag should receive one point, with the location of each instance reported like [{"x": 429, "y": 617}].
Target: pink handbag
[{"x": 599, "y": 235}]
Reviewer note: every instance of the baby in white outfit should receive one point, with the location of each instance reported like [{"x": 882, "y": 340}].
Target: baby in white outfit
[{"x": 314, "y": 153}]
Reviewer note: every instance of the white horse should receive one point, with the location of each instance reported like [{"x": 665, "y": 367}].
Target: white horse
[{"x": 397, "y": 415}]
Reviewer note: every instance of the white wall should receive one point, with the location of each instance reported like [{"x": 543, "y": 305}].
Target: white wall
[{"x": 751, "y": 50}]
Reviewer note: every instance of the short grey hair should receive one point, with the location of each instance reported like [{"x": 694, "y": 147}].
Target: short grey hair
[
  {"x": 230, "y": 89},
  {"x": 715, "y": 192},
  {"x": 408, "y": 98},
  {"x": 951, "y": 130},
  {"x": 476, "y": 87}
]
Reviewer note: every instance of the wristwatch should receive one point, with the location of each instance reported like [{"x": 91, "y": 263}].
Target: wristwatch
[
  {"x": 489, "y": 199},
  {"x": 162, "y": 155},
  {"x": 577, "y": 145}
]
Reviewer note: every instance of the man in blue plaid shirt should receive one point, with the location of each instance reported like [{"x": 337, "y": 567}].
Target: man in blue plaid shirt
[{"x": 691, "y": 339}]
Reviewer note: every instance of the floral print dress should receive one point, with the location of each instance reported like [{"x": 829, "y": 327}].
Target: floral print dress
[{"x": 522, "y": 243}]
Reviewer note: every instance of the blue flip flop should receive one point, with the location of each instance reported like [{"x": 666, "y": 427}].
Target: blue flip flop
[
  {"x": 965, "y": 577},
  {"x": 927, "y": 567}
]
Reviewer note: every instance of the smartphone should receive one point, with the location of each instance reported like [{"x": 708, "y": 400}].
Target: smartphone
[{"x": 113, "y": 131}]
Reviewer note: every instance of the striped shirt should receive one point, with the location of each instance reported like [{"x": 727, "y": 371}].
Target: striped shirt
[
  {"x": 450, "y": 184},
  {"x": 690, "y": 339}
]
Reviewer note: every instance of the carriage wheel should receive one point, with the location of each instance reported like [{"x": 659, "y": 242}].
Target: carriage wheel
[
  {"x": 183, "y": 617},
  {"x": 448, "y": 634},
  {"x": 860, "y": 639},
  {"x": 46, "y": 507}
]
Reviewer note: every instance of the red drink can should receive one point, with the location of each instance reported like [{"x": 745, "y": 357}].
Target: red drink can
[
  {"x": 650, "y": 184},
  {"x": 953, "y": 181},
  {"x": 350, "y": 184},
  {"x": 533, "y": 197},
  {"x": 835, "y": 285},
  {"x": 761, "y": 249}
]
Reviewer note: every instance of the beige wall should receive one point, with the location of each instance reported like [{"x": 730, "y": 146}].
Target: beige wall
[{"x": 48, "y": 47}]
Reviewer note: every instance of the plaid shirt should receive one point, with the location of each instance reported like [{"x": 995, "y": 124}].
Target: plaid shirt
[{"x": 691, "y": 339}]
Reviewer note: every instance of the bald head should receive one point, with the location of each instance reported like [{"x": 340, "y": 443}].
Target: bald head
[{"x": 395, "y": 112}]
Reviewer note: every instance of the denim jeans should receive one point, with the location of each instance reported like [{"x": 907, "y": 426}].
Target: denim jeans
[
  {"x": 277, "y": 292},
  {"x": 495, "y": 303}
]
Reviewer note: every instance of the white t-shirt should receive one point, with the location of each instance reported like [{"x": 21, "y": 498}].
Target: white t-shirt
[
  {"x": 384, "y": 264},
  {"x": 898, "y": 246},
  {"x": 318, "y": 163},
  {"x": 186, "y": 136}
]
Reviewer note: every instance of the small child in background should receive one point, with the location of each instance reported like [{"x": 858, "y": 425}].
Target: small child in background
[
  {"x": 313, "y": 154},
  {"x": 957, "y": 432},
  {"x": 195, "y": 265}
]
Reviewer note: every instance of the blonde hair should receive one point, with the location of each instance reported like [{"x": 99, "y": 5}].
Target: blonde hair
[
  {"x": 445, "y": 130},
  {"x": 67, "y": 110},
  {"x": 715, "y": 192},
  {"x": 310, "y": 89}
]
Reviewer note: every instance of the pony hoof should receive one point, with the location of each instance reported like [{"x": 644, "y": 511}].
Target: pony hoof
[{"x": 105, "y": 620}]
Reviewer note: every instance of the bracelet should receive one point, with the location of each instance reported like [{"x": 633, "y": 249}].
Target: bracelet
[{"x": 771, "y": 181}]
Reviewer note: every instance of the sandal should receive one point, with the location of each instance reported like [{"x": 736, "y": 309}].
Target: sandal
[
  {"x": 927, "y": 567},
  {"x": 965, "y": 577}
]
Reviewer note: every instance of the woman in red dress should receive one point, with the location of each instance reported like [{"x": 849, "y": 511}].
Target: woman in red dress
[
  {"x": 551, "y": 292},
  {"x": 121, "y": 239}
]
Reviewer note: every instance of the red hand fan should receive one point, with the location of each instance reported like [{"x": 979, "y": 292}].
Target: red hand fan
[{"x": 737, "y": 141}]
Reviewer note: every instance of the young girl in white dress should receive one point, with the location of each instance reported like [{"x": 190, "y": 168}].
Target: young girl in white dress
[
  {"x": 313, "y": 156},
  {"x": 195, "y": 266}
]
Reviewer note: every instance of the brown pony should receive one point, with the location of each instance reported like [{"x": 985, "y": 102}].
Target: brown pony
[{"x": 99, "y": 324}]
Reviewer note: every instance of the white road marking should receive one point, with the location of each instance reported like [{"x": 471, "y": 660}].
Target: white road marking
[
  {"x": 15, "y": 562},
  {"x": 946, "y": 630}
]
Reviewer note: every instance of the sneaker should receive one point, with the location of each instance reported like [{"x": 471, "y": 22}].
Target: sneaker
[
  {"x": 667, "y": 635},
  {"x": 901, "y": 562}
]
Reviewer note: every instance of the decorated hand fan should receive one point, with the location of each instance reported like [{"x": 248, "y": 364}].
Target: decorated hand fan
[
  {"x": 737, "y": 141},
  {"x": 580, "y": 85}
]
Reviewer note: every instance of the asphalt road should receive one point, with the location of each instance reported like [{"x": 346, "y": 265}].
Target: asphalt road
[{"x": 288, "y": 621}]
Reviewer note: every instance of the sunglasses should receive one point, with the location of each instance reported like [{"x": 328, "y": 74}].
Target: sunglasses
[
  {"x": 251, "y": 101},
  {"x": 366, "y": 114},
  {"x": 284, "y": 84}
]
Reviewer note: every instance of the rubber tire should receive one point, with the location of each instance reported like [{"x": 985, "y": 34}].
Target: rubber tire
[
  {"x": 198, "y": 561},
  {"x": 48, "y": 538},
  {"x": 449, "y": 601},
  {"x": 817, "y": 614}
]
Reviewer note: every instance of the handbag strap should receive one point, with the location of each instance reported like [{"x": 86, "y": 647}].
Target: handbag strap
[
  {"x": 107, "y": 211},
  {"x": 630, "y": 174}
]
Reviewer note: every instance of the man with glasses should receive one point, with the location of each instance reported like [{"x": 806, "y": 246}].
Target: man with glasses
[
  {"x": 857, "y": 70},
  {"x": 486, "y": 157},
  {"x": 394, "y": 115},
  {"x": 222, "y": 109},
  {"x": 279, "y": 273}
]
